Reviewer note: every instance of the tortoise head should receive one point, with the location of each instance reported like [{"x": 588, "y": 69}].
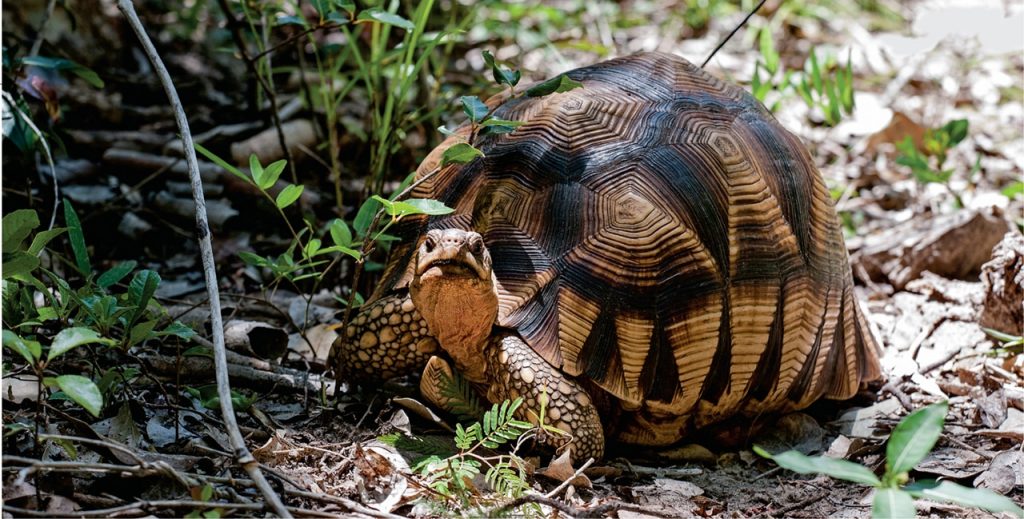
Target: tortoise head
[{"x": 454, "y": 289}]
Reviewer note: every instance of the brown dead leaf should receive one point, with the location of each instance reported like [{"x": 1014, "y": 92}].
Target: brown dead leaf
[
  {"x": 900, "y": 127},
  {"x": 689, "y": 453},
  {"x": 953, "y": 463},
  {"x": 1005, "y": 472},
  {"x": 560, "y": 469}
]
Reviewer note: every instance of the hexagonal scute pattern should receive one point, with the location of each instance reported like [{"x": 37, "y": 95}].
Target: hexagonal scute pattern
[{"x": 658, "y": 234}]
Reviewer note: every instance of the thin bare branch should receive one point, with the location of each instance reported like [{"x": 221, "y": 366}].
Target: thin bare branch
[{"x": 242, "y": 454}]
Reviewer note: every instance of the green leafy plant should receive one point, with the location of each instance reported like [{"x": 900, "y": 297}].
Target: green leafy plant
[
  {"x": 1008, "y": 343},
  {"x": 826, "y": 87},
  {"x": 928, "y": 164},
  {"x": 911, "y": 440},
  {"x": 92, "y": 314},
  {"x": 451, "y": 477}
]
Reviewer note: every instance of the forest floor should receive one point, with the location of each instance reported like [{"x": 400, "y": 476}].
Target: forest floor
[{"x": 938, "y": 257}]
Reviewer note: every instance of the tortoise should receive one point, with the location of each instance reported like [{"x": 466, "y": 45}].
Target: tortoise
[{"x": 651, "y": 253}]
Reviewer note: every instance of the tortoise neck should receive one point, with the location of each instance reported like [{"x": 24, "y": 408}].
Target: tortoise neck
[{"x": 460, "y": 316}]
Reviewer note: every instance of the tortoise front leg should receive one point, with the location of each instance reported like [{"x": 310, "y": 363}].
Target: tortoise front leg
[
  {"x": 386, "y": 339},
  {"x": 514, "y": 370}
]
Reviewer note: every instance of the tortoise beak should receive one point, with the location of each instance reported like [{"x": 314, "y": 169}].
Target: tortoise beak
[{"x": 454, "y": 253}]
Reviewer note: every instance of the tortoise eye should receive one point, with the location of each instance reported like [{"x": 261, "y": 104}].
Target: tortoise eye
[
  {"x": 429, "y": 244},
  {"x": 476, "y": 246}
]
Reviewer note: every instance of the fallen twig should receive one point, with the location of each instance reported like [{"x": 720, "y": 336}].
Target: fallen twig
[
  {"x": 572, "y": 511},
  {"x": 569, "y": 481},
  {"x": 242, "y": 454}
]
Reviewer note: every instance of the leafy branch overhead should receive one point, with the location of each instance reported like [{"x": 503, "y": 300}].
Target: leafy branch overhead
[{"x": 481, "y": 117}]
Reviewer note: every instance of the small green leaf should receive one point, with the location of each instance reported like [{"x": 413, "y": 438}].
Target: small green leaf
[
  {"x": 141, "y": 289},
  {"x": 222, "y": 163},
  {"x": 77, "y": 238},
  {"x": 83, "y": 391},
  {"x": 30, "y": 350},
  {"x": 892, "y": 503},
  {"x": 253, "y": 259},
  {"x": 70, "y": 338},
  {"x": 312, "y": 247},
  {"x": 426, "y": 206},
  {"x": 288, "y": 195},
  {"x": 949, "y": 492},
  {"x": 956, "y": 130},
  {"x": 1014, "y": 190},
  {"x": 81, "y": 71},
  {"x": 375, "y": 14},
  {"x": 559, "y": 83},
  {"x": 256, "y": 169},
  {"x": 836, "y": 468},
  {"x": 42, "y": 238},
  {"x": 771, "y": 57},
  {"x": 177, "y": 329},
  {"x": 364, "y": 218},
  {"x": 17, "y": 226},
  {"x": 271, "y": 173},
  {"x": 474, "y": 108},
  {"x": 340, "y": 234},
  {"x": 460, "y": 153},
  {"x": 289, "y": 20},
  {"x": 115, "y": 274},
  {"x": 499, "y": 73},
  {"x": 141, "y": 332},
  {"x": 914, "y": 438}
]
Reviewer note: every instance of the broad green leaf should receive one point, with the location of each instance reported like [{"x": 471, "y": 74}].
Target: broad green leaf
[
  {"x": 914, "y": 438},
  {"x": 364, "y": 218},
  {"x": 19, "y": 264},
  {"x": 340, "y": 234},
  {"x": 141, "y": 289},
  {"x": 347, "y": 5},
  {"x": 77, "y": 238},
  {"x": 271, "y": 173},
  {"x": 42, "y": 238},
  {"x": 474, "y": 108},
  {"x": 222, "y": 163},
  {"x": 288, "y": 195},
  {"x": 771, "y": 57},
  {"x": 71, "y": 338},
  {"x": 116, "y": 273},
  {"x": 460, "y": 153},
  {"x": 375, "y": 14},
  {"x": 892, "y": 503},
  {"x": 83, "y": 391},
  {"x": 559, "y": 83},
  {"x": 17, "y": 226},
  {"x": 949, "y": 492},
  {"x": 836, "y": 468},
  {"x": 30, "y": 350}
]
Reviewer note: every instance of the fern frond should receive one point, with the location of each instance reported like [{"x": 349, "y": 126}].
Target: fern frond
[{"x": 463, "y": 399}]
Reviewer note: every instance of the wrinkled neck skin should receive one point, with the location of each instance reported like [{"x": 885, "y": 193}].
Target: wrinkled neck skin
[{"x": 460, "y": 313}]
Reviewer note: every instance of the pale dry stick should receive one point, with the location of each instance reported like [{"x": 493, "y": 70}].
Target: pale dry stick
[
  {"x": 242, "y": 454},
  {"x": 569, "y": 481}
]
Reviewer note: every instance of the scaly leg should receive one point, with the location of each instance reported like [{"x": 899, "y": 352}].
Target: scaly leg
[
  {"x": 514, "y": 370},
  {"x": 386, "y": 339}
]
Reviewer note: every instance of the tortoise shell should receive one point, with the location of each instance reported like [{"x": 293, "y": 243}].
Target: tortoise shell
[{"x": 659, "y": 234}]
